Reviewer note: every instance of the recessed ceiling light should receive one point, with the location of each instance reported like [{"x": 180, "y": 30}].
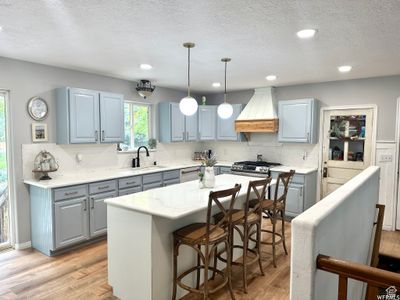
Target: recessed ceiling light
[
  {"x": 146, "y": 67},
  {"x": 345, "y": 69},
  {"x": 271, "y": 77},
  {"x": 306, "y": 33},
  {"x": 1, "y": 28},
  {"x": 216, "y": 84}
]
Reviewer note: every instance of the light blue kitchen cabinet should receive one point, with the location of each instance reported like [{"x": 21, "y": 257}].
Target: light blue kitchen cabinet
[
  {"x": 111, "y": 118},
  {"x": 98, "y": 213},
  {"x": 71, "y": 221},
  {"x": 86, "y": 116},
  {"x": 301, "y": 193},
  {"x": 298, "y": 121},
  {"x": 191, "y": 127},
  {"x": 83, "y": 116},
  {"x": 177, "y": 123},
  {"x": 207, "y": 122},
  {"x": 175, "y": 126},
  {"x": 226, "y": 127}
]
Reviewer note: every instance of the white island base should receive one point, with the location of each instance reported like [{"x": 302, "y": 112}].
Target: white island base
[{"x": 140, "y": 240}]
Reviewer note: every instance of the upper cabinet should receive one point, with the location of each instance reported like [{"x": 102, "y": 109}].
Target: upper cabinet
[
  {"x": 85, "y": 116},
  {"x": 298, "y": 121},
  {"x": 174, "y": 126},
  {"x": 207, "y": 122},
  {"x": 226, "y": 127}
]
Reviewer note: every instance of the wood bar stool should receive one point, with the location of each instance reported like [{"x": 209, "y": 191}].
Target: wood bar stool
[
  {"x": 247, "y": 222},
  {"x": 208, "y": 236},
  {"x": 275, "y": 210}
]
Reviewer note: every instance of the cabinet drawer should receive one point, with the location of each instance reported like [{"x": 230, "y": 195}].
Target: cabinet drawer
[
  {"x": 171, "y": 182},
  {"x": 70, "y": 192},
  {"x": 297, "y": 178},
  {"x": 103, "y": 186},
  {"x": 152, "y": 178},
  {"x": 152, "y": 186},
  {"x": 129, "y": 182},
  {"x": 174, "y": 174},
  {"x": 225, "y": 170},
  {"x": 130, "y": 191}
]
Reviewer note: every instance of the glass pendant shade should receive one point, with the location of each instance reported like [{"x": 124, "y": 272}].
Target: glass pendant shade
[
  {"x": 225, "y": 110},
  {"x": 188, "y": 106}
]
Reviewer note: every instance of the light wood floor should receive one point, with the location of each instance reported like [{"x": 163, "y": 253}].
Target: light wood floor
[{"x": 82, "y": 274}]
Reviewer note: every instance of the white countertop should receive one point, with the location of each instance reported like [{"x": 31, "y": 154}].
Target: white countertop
[
  {"x": 82, "y": 177},
  {"x": 301, "y": 170},
  {"x": 179, "y": 200}
]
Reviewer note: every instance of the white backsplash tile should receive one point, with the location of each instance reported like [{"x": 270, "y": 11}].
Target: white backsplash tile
[{"x": 97, "y": 157}]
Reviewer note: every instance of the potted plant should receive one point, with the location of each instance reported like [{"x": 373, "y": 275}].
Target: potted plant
[{"x": 209, "y": 176}]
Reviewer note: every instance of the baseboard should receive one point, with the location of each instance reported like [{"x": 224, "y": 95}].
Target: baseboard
[{"x": 22, "y": 246}]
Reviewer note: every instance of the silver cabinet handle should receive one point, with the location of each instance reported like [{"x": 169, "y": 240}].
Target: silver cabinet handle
[
  {"x": 102, "y": 135},
  {"x": 301, "y": 192},
  {"x": 103, "y": 187},
  {"x": 130, "y": 182},
  {"x": 70, "y": 193},
  {"x": 183, "y": 135},
  {"x": 92, "y": 203},
  {"x": 96, "y": 135},
  {"x": 187, "y": 135},
  {"x": 192, "y": 171},
  {"x": 308, "y": 136},
  {"x": 85, "y": 203}
]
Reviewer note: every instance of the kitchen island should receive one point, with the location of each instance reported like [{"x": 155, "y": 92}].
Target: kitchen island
[{"x": 140, "y": 240}]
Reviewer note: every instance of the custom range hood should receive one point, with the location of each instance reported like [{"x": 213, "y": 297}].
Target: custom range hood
[{"x": 260, "y": 114}]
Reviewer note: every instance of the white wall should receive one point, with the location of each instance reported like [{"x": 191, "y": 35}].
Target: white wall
[{"x": 334, "y": 227}]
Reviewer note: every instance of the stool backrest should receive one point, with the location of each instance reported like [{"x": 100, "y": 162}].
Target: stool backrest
[
  {"x": 227, "y": 212},
  {"x": 284, "y": 178},
  {"x": 259, "y": 187}
]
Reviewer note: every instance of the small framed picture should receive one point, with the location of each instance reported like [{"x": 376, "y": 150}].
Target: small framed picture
[{"x": 39, "y": 132}]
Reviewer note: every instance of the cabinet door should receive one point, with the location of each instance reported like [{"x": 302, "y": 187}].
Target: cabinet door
[
  {"x": 207, "y": 123},
  {"x": 295, "y": 119},
  {"x": 192, "y": 127},
  {"x": 84, "y": 116},
  {"x": 226, "y": 127},
  {"x": 111, "y": 118},
  {"x": 71, "y": 221},
  {"x": 294, "y": 199},
  {"x": 150, "y": 186},
  {"x": 177, "y": 123},
  {"x": 98, "y": 213}
]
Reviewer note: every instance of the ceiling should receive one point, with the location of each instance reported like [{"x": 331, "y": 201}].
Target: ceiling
[{"x": 114, "y": 37}]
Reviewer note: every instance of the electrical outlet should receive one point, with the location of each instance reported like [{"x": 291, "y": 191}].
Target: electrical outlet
[{"x": 386, "y": 158}]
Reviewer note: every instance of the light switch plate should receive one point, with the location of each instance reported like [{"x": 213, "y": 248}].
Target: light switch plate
[{"x": 386, "y": 158}]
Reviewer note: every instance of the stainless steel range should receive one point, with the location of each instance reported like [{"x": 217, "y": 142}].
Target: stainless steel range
[{"x": 253, "y": 168}]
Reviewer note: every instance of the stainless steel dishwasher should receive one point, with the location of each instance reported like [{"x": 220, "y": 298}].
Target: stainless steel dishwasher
[{"x": 189, "y": 174}]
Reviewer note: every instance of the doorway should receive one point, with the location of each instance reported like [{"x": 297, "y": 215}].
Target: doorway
[
  {"x": 348, "y": 144},
  {"x": 5, "y": 238}
]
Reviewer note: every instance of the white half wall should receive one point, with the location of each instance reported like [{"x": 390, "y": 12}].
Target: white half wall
[{"x": 341, "y": 226}]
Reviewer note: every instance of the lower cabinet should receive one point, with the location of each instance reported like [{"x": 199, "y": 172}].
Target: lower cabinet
[
  {"x": 301, "y": 193},
  {"x": 98, "y": 213},
  {"x": 225, "y": 170},
  {"x": 70, "y": 215},
  {"x": 71, "y": 221}
]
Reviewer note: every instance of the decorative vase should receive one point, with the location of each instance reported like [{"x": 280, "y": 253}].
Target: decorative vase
[
  {"x": 201, "y": 184},
  {"x": 209, "y": 177}
]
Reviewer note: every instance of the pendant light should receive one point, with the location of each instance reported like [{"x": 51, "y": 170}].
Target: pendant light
[
  {"x": 225, "y": 110},
  {"x": 188, "y": 105}
]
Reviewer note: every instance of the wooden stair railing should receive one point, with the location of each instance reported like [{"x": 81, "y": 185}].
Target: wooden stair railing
[
  {"x": 374, "y": 277},
  {"x": 345, "y": 269}
]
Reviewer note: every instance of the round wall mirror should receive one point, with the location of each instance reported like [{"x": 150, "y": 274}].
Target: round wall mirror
[{"x": 37, "y": 108}]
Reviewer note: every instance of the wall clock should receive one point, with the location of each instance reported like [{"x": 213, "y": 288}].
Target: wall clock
[{"x": 37, "y": 108}]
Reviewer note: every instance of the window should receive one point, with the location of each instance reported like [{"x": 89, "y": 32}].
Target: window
[{"x": 137, "y": 125}]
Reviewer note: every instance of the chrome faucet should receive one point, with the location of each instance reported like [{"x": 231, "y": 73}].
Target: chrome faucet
[{"x": 136, "y": 161}]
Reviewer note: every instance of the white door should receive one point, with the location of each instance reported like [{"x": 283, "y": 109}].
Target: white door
[{"x": 347, "y": 143}]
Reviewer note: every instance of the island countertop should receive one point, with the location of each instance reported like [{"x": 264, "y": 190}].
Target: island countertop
[{"x": 179, "y": 200}]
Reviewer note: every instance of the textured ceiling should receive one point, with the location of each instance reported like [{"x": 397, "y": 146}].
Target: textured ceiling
[{"x": 115, "y": 37}]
